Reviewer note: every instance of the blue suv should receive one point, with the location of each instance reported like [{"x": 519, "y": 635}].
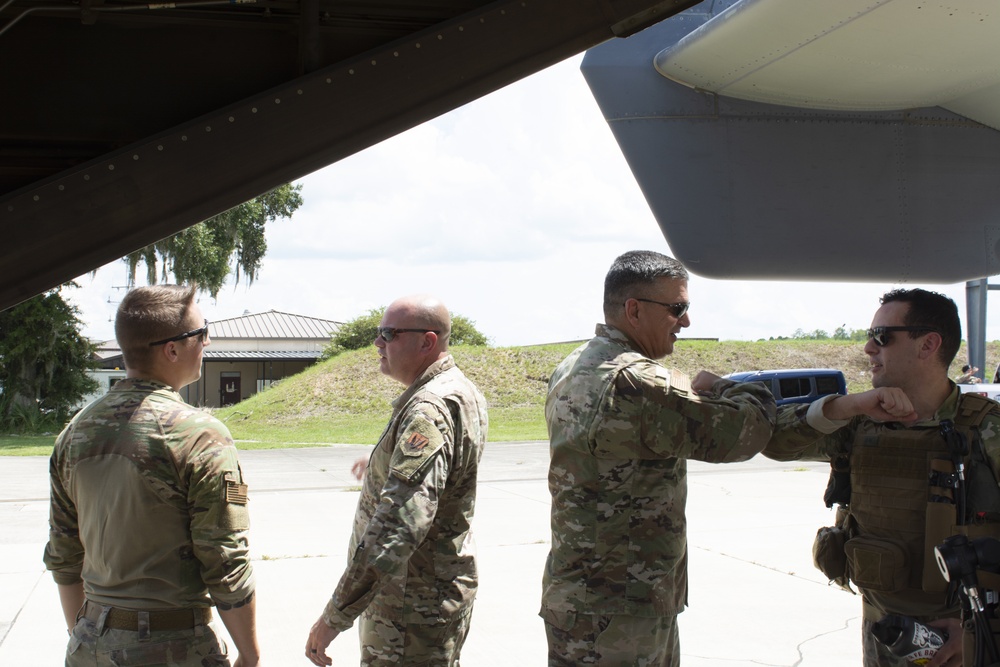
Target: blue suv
[{"x": 796, "y": 385}]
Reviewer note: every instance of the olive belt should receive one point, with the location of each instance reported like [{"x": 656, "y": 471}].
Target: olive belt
[{"x": 129, "y": 619}]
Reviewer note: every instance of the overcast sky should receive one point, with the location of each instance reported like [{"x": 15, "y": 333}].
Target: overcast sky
[{"x": 510, "y": 209}]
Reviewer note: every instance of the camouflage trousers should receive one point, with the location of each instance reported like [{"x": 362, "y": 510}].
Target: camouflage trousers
[
  {"x": 92, "y": 645},
  {"x": 612, "y": 641},
  {"x": 385, "y": 642}
]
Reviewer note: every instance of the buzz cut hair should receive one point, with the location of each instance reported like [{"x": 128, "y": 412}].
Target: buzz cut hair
[
  {"x": 148, "y": 314},
  {"x": 632, "y": 273},
  {"x": 934, "y": 311}
]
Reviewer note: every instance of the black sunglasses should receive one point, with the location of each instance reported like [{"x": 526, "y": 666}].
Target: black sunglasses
[
  {"x": 678, "y": 310},
  {"x": 202, "y": 331},
  {"x": 388, "y": 333},
  {"x": 882, "y": 336}
]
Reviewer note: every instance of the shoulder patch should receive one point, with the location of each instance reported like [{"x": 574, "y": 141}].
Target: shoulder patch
[
  {"x": 416, "y": 445},
  {"x": 679, "y": 382}
]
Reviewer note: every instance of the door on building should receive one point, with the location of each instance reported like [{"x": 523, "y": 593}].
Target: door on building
[{"x": 229, "y": 388}]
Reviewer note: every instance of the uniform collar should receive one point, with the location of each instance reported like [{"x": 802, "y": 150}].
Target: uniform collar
[
  {"x": 946, "y": 411},
  {"x": 949, "y": 408},
  {"x": 617, "y": 336},
  {"x": 438, "y": 367},
  {"x": 141, "y": 384}
]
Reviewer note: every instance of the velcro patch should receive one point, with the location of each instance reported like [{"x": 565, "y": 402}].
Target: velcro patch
[
  {"x": 417, "y": 445},
  {"x": 236, "y": 493},
  {"x": 679, "y": 382}
]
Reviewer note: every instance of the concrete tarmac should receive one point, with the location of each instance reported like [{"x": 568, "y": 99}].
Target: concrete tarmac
[{"x": 755, "y": 598}]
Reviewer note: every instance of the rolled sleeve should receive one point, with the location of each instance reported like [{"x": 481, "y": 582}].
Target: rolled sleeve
[{"x": 802, "y": 433}]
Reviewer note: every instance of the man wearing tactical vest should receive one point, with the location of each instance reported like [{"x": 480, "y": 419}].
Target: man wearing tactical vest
[{"x": 922, "y": 462}]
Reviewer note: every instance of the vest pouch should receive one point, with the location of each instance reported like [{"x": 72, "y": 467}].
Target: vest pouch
[
  {"x": 829, "y": 556},
  {"x": 877, "y": 564}
]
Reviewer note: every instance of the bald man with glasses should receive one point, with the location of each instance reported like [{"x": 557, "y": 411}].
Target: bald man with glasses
[
  {"x": 411, "y": 577},
  {"x": 914, "y": 461}
]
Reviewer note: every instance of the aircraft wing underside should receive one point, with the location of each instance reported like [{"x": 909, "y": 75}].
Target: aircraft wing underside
[{"x": 819, "y": 140}]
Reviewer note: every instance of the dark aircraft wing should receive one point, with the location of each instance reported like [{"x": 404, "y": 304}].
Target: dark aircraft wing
[{"x": 124, "y": 122}]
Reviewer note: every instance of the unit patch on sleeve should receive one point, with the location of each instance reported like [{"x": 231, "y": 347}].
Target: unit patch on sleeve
[{"x": 418, "y": 444}]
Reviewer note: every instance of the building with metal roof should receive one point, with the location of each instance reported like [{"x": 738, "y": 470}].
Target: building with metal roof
[{"x": 249, "y": 353}]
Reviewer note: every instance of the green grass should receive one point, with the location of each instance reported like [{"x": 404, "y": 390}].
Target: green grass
[
  {"x": 26, "y": 445},
  {"x": 347, "y": 400}
]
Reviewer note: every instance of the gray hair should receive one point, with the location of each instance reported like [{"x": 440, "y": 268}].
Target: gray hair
[{"x": 636, "y": 269}]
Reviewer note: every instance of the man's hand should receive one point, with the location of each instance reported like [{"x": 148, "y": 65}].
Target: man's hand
[
  {"x": 359, "y": 467},
  {"x": 319, "y": 638},
  {"x": 703, "y": 381},
  {"x": 884, "y": 404},
  {"x": 949, "y": 655}
]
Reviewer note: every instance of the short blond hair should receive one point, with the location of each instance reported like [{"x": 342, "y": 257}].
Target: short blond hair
[{"x": 151, "y": 313}]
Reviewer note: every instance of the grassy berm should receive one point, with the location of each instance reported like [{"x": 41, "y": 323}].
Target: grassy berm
[{"x": 347, "y": 400}]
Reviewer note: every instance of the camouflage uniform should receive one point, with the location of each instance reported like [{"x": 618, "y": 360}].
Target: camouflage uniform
[
  {"x": 621, "y": 428},
  {"x": 803, "y": 433},
  {"x": 149, "y": 509},
  {"x": 412, "y": 569}
]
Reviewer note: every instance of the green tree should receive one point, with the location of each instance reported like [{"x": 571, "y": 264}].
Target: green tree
[
  {"x": 208, "y": 252},
  {"x": 43, "y": 362},
  {"x": 815, "y": 334},
  {"x": 360, "y": 332}
]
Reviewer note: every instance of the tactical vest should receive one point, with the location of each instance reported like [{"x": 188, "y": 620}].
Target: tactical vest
[{"x": 905, "y": 500}]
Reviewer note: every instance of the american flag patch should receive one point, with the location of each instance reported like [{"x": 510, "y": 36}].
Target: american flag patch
[{"x": 236, "y": 493}]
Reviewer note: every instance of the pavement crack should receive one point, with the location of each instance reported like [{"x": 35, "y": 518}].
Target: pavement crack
[
  {"x": 759, "y": 564},
  {"x": 13, "y": 621},
  {"x": 800, "y": 645}
]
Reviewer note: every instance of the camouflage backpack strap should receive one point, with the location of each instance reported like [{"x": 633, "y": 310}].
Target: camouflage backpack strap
[
  {"x": 973, "y": 409},
  {"x": 984, "y": 493}
]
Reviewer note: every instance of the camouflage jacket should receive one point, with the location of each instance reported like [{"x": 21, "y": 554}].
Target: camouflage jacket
[
  {"x": 148, "y": 505},
  {"x": 412, "y": 556},
  {"x": 621, "y": 427}
]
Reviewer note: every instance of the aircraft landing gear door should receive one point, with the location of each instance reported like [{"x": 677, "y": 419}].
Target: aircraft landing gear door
[{"x": 229, "y": 388}]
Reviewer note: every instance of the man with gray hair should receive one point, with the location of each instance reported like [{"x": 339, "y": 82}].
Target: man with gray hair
[
  {"x": 412, "y": 574},
  {"x": 621, "y": 428},
  {"x": 148, "y": 524}
]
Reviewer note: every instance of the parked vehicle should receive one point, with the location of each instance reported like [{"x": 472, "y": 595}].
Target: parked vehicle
[
  {"x": 796, "y": 385},
  {"x": 981, "y": 389}
]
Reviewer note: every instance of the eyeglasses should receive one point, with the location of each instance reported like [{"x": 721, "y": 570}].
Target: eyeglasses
[
  {"x": 882, "y": 336},
  {"x": 678, "y": 310},
  {"x": 388, "y": 333},
  {"x": 202, "y": 331}
]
